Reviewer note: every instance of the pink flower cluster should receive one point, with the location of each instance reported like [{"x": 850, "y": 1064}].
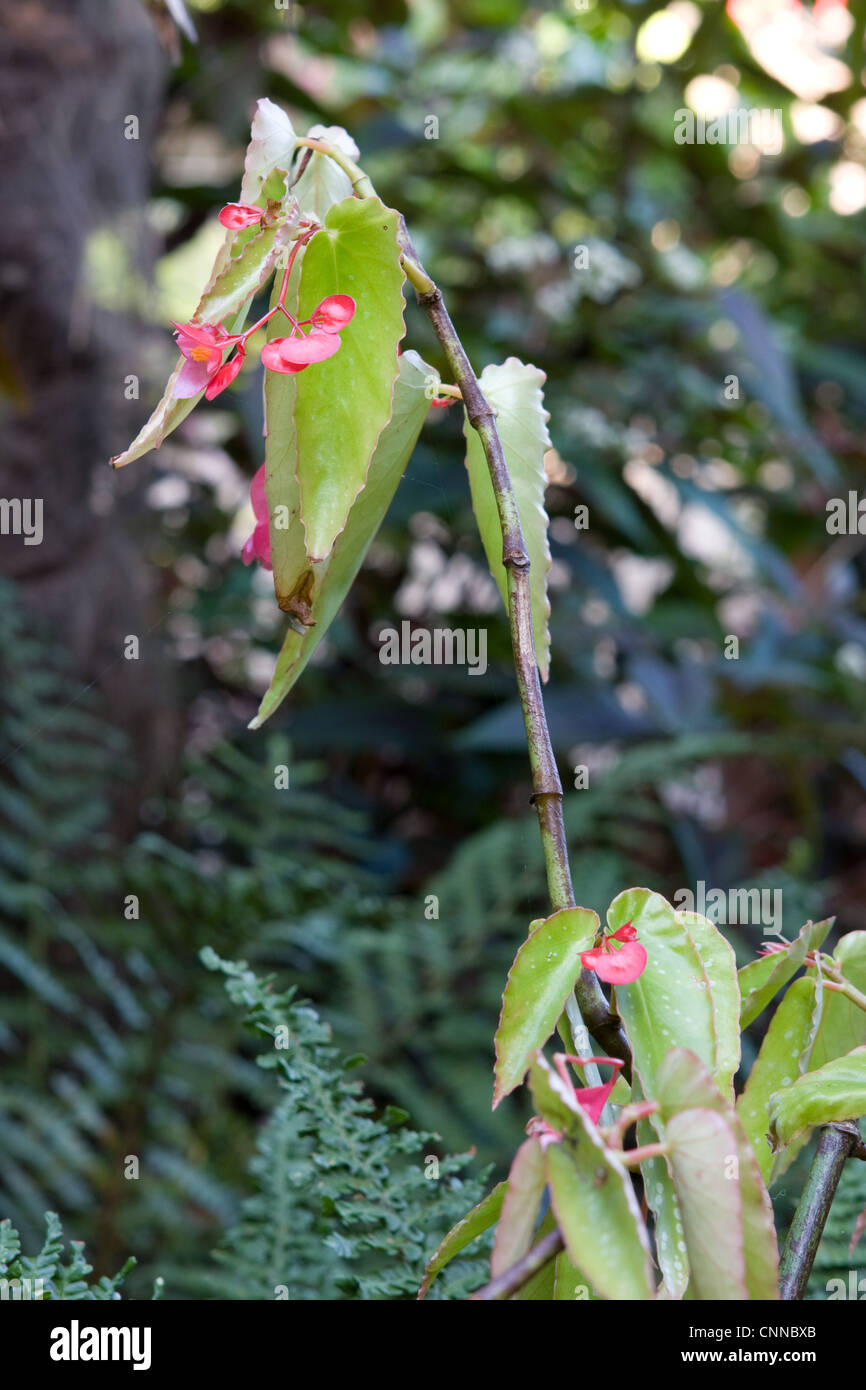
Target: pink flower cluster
[{"x": 204, "y": 344}]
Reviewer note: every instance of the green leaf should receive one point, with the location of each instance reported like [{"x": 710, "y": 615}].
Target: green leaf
[
  {"x": 516, "y": 1227},
  {"x": 701, "y": 1145},
  {"x": 315, "y": 593},
  {"x": 720, "y": 965},
  {"x": 836, "y": 1091},
  {"x": 684, "y": 1084},
  {"x": 762, "y": 979},
  {"x": 778, "y": 1064},
  {"x": 662, "y": 1201},
  {"x": 597, "y": 1212},
  {"x": 569, "y": 1285},
  {"x": 539, "y": 982},
  {"x": 843, "y": 1023},
  {"x": 686, "y": 995},
  {"x": 552, "y": 1099},
  {"x": 323, "y": 183},
  {"x": 474, "y": 1224},
  {"x": 514, "y": 390},
  {"x": 273, "y": 142},
  {"x": 246, "y": 273},
  {"x": 342, "y": 405}
]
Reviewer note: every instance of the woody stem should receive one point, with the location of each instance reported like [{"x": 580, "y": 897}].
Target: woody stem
[
  {"x": 521, "y": 1272},
  {"x": 836, "y": 1144},
  {"x": 546, "y": 786}
]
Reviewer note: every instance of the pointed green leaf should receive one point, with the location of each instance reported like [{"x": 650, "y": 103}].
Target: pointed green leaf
[
  {"x": 662, "y": 1201},
  {"x": 762, "y": 979},
  {"x": 474, "y": 1224},
  {"x": 315, "y": 593},
  {"x": 836, "y": 1091},
  {"x": 569, "y": 1285},
  {"x": 702, "y": 1144},
  {"x": 516, "y": 1226},
  {"x": 542, "y": 977},
  {"x": 687, "y": 993},
  {"x": 246, "y": 273},
  {"x": 684, "y": 1084},
  {"x": 273, "y": 142},
  {"x": 599, "y": 1217},
  {"x": 514, "y": 390},
  {"x": 323, "y": 182},
  {"x": 843, "y": 1023},
  {"x": 720, "y": 965},
  {"x": 552, "y": 1099},
  {"x": 777, "y": 1065},
  {"x": 343, "y": 404}
]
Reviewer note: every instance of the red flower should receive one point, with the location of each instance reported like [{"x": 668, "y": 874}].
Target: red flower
[
  {"x": 203, "y": 345},
  {"x": 238, "y": 215},
  {"x": 226, "y": 374},
  {"x": 617, "y": 966},
  {"x": 258, "y": 545},
  {"x": 592, "y": 1099},
  {"x": 332, "y": 315},
  {"x": 296, "y": 353}
]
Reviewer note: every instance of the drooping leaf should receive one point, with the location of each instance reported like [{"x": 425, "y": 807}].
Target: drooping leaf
[
  {"x": 762, "y": 979},
  {"x": 514, "y": 390},
  {"x": 720, "y": 964},
  {"x": 273, "y": 142},
  {"x": 225, "y": 301},
  {"x": 684, "y": 1084},
  {"x": 836, "y": 1091},
  {"x": 784, "y": 1049},
  {"x": 316, "y": 592},
  {"x": 241, "y": 267},
  {"x": 474, "y": 1224},
  {"x": 702, "y": 1143},
  {"x": 597, "y": 1212},
  {"x": 539, "y": 982},
  {"x": 343, "y": 404},
  {"x": 516, "y": 1225},
  {"x": 843, "y": 1023},
  {"x": 569, "y": 1285},
  {"x": 681, "y": 998},
  {"x": 661, "y": 1198},
  {"x": 246, "y": 273}
]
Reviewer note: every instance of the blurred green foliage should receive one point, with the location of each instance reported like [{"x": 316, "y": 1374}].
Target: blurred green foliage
[{"x": 511, "y": 136}]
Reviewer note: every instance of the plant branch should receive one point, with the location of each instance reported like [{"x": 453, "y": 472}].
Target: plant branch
[
  {"x": 504, "y": 1285},
  {"x": 546, "y": 786},
  {"x": 837, "y": 1143}
]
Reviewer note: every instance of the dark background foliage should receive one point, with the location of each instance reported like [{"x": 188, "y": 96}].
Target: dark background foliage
[{"x": 706, "y": 520}]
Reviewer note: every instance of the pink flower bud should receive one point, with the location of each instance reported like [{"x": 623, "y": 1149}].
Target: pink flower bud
[
  {"x": 258, "y": 545},
  {"x": 332, "y": 315},
  {"x": 225, "y": 376},
  {"x": 235, "y": 216}
]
